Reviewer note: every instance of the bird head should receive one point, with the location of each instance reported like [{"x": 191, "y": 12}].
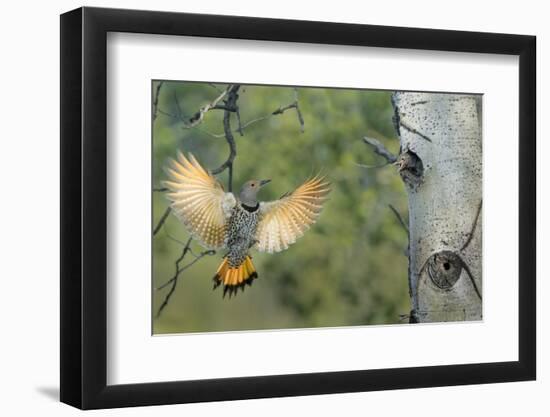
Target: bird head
[{"x": 249, "y": 191}]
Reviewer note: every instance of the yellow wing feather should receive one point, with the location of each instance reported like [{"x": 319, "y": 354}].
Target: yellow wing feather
[
  {"x": 283, "y": 221},
  {"x": 197, "y": 199}
]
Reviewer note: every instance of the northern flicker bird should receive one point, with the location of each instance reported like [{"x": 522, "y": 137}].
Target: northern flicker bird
[{"x": 221, "y": 220}]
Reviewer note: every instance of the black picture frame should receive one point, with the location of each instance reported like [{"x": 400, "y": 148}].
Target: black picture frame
[{"x": 84, "y": 207}]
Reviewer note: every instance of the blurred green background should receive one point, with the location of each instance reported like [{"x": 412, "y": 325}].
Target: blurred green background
[{"x": 348, "y": 269}]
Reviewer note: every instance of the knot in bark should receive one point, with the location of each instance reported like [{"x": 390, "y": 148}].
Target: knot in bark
[{"x": 444, "y": 269}]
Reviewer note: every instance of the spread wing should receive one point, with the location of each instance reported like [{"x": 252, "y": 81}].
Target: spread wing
[
  {"x": 199, "y": 201},
  {"x": 285, "y": 220}
]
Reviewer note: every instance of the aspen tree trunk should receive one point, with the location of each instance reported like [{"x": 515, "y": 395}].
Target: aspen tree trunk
[{"x": 441, "y": 164}]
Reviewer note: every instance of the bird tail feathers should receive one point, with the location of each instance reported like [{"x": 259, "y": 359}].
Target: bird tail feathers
[{"x": 234, "y": 278}]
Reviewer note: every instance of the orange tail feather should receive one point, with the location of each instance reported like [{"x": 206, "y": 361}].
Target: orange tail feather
[{"x": 235, "y": 278}]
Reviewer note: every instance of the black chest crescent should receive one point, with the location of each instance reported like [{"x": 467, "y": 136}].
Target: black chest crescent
[{"x": 250, "y": 209}]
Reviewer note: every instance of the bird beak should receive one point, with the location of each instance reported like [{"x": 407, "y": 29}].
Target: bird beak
[{"x": 264, "y": 182}]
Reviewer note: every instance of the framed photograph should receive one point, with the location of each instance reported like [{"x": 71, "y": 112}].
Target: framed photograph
[{"x": 258, "y": 208}]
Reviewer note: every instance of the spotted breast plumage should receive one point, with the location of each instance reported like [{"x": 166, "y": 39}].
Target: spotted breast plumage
[
  {"x": 240, "y": 233},
  {"x": 221, "y": 220}
]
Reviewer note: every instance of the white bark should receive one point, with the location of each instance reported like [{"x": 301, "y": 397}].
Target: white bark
[{"x": 441, "y": 165}]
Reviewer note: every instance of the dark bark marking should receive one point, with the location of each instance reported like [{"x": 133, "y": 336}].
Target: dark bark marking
[
  {"x": 414, "y": 131},
  {"x": 419, "y": 102},
  {"x": 395, "y": 118}
]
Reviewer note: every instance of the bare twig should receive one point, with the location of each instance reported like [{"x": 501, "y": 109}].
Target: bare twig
[
  {"x": 179, "y": 270},
  {"x": 198, "y": 117},
  {"x": 156, "y": 99},
  {"x": 280, "y": 110},
  {"x": 380, "y": 150},
  {"x": 231, "y": 103},
  {"x": 472, "y": 280},
  {"x": 222, "y": 107},
  {"x": 214, "y": 86},
  {"x": 174, "y": 279},
  {"x": 298, "y": 112},
  {"x": 276, "y": 112},
  {"x": 161, "y": 221},
  {"x": 169, "y": 236},
  {"x": 196, "y": 258},
  {"x": 473, "y": 229},
  {"x": 178, "y": 107},
  {"x": 239, "y": 124},
  {"x": 400, "y": 218},
  {"x": 165, "y": 113},
  {"x": 372, "y": 166}
]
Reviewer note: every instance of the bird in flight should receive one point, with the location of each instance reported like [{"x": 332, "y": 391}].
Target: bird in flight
[{"x": 221, "y": 220}]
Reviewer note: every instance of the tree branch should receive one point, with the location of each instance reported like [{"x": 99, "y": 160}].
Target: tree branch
[
  {"x": 156, "y": 99},
  {"x": 298, "y": 112},
  {"x": 472, "y": 280},
  {"x": 280, "y": 110},
  {"x": 392, "y": 208},
  {"x": 372, "y": 166},
  {"x": 239, "y": 124},
  {"x": 174, "y": 279},
  {"x": 381, "y": 150},
  {"x": 179, "y": 270},
  {"x": 161, "y": 221},
  {"x": 215, "y": 87},
  {"x": 473, "y": 229},
  {"x": 230, "y": 103},
  {"x": 198, "y": 117}
]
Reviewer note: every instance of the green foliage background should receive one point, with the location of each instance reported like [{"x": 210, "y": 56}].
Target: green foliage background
[{"x": 348, "y": 269}]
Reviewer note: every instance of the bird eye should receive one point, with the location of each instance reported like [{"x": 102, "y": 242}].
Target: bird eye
[{"x": 252, "y": 185}]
